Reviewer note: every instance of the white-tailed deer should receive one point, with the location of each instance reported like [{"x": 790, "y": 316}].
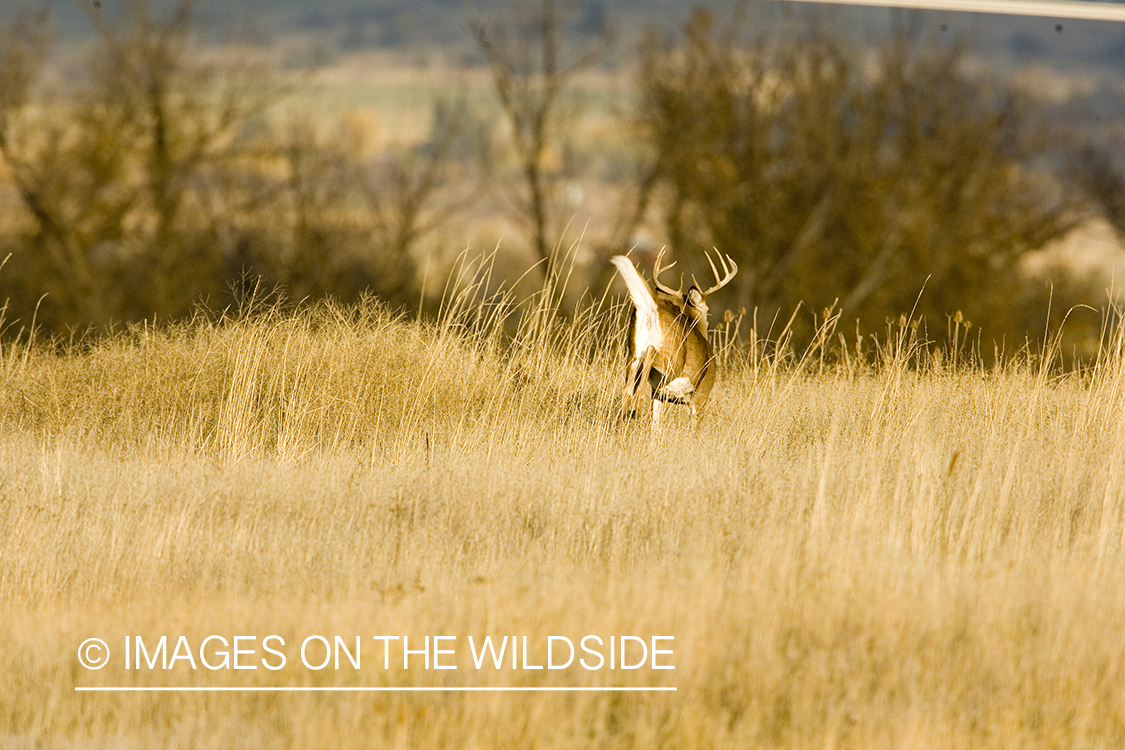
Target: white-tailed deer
[{"x": 669, "y": 347}]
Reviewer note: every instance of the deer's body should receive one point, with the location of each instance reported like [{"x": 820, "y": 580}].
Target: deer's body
[{"x": 669, "y": 348}]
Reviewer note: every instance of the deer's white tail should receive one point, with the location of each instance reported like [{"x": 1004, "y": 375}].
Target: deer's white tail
[{"x": 647, "y": 332}]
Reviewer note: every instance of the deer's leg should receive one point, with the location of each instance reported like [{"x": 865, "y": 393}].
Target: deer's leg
[
  {"x": 629, "y": 392},
  {"x": 636, "y": 378},
  {"x": 702, "y": 394},
  {"x": 699, "y": 410}
]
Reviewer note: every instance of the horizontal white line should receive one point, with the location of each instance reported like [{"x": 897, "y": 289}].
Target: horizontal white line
[
  {"x": 363, "y": 689},
  {"x": 1085, "y": 11}
]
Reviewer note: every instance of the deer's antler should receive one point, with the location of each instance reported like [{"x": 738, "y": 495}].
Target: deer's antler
[
  {"x": 657, "y": 270},
  {"x": 730, "y": 268}
]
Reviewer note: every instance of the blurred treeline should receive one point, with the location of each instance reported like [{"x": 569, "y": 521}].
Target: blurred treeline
[
  {"x": 865, "y": 180},
  {"x": 161, "y": 178}
]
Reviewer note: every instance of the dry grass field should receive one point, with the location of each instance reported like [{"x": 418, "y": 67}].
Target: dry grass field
[{"x": 847, "y": 555}]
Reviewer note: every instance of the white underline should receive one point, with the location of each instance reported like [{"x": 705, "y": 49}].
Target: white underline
[
  {"x": 1076, "y": 9},
  {"x": 364, "y": 689}
]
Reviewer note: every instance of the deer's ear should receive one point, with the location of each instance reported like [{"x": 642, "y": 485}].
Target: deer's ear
[{"x": 695, "y": 297}]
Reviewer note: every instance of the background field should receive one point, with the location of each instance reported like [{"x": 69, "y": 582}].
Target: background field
[{"x": 877, "y": 553}]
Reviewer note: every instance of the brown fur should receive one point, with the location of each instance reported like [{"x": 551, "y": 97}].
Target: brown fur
[{"x": 686, "y": 351}]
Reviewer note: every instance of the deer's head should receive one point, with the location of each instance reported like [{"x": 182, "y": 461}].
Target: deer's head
[{"x": 692, "y": 303}]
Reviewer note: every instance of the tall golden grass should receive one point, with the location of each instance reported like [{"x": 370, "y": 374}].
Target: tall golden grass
[{"x": 848, "y": 554}]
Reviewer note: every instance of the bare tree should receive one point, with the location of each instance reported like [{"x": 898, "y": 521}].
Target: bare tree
[
  {"x": 34, "y": 153},
  {"x": 115, "y": 170},
  {"x": 340, "y": 219},
  {"x": 832, "y": 173},
  {"x": 159, "y": 178},
  {"x": 413, "y": 192},
  {"x": 185, "y": 109},
  {"x": 533, "y": 63}
]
